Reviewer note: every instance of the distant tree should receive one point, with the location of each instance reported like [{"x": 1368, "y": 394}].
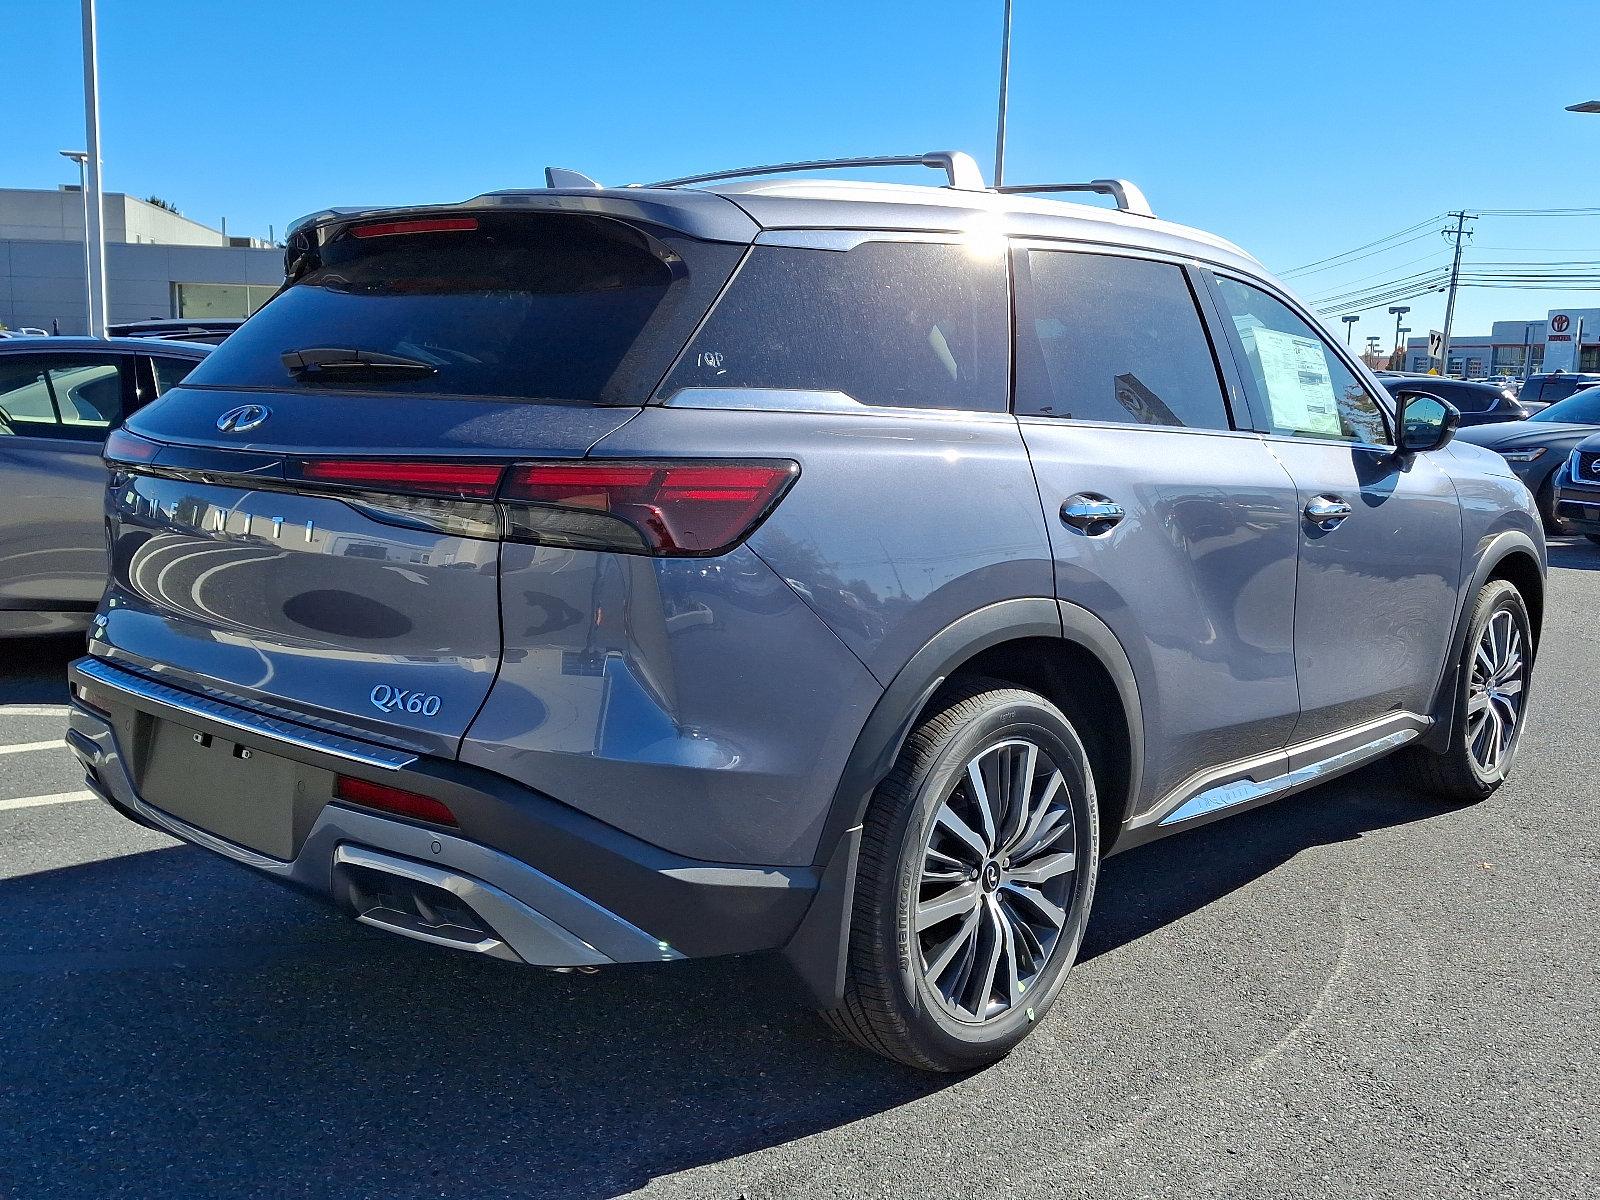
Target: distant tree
[{"x": 166, "y": 204}]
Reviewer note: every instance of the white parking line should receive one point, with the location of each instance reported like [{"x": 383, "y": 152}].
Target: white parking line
[
  {"x": 41, "y": 801},
  {"x": 24, "y": 747},
  {"x": 33, "y": 710}
]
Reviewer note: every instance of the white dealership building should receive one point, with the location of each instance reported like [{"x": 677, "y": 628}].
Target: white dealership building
[{"x": 158, "y": 263}]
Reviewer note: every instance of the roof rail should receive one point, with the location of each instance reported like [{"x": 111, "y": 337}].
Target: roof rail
[
  {"x": 1128, "y": 196},
  {"x": 962, "y": 171}
]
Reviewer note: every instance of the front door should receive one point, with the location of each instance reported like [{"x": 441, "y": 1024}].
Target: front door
[
  {"x": 1177, "y": 530},
  {"x": 1380, "y": 534}
]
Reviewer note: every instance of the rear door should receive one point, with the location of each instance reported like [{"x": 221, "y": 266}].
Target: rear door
[
  {"x": 55, "y": 411},
  {"x": 310, "y": 522},
  {"x": 1380, "y": 536},
  {"x": 1125, "y": 413}
]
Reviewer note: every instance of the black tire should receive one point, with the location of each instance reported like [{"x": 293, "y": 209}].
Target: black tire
[
  {"x": 889, "y": 1006},
  {"x": 1455, "y": 775}
]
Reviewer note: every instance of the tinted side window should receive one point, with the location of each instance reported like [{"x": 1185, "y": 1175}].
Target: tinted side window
[
  {"x": 76, "y": 397},
  {"x": 894, "y": 324},
  {"x": 1114, "y": 339},
  {"x": 169, "y": 372},
  {"x": 1299, "y": 381}
]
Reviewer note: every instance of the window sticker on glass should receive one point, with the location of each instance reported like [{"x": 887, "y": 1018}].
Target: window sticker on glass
[{"x": 1294, "y": 371}]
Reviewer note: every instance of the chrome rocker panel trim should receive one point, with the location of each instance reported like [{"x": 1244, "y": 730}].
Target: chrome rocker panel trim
[{"x": 1251, "y": 782}]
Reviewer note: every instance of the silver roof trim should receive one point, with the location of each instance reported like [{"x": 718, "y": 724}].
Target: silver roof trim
[{"x": 961, "y": 169}]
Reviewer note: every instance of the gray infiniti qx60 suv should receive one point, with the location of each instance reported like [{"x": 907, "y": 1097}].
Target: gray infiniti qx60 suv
[{"x": 591, "y": 575}]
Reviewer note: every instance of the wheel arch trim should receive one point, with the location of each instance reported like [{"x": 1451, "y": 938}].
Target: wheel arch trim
[
  {"x": 1493, "y": 553},
  {"x": 817, "y": 950}
]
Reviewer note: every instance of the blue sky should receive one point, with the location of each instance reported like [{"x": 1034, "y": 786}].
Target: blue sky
[{"x": 1291, "y": 127}]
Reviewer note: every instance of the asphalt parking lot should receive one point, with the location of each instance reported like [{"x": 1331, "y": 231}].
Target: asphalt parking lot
[{"x": 1352, "y": 993}]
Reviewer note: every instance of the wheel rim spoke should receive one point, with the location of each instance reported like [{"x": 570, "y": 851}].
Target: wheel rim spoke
[
  {"x": 958, "y": 900},
  {"x": 998, "y": 877},
  {"x": 1494, "y": 695},
  {"x": 1045, "y": 868},
  {"x": 982, "y": 802},
  {"x": 963, "y": 832}
]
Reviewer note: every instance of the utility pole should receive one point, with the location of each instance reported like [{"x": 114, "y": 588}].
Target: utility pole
[
  {"x": 1459, "y": 233},
  {"x": 95, "y": 197},
  {"x": 1005, "y": 84},
  {"x": 1349, "y": 326}
]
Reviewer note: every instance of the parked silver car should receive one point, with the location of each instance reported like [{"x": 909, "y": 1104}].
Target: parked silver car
[
  {"x": 59, "y": 396},
  {"x": 598, "y": 575}
]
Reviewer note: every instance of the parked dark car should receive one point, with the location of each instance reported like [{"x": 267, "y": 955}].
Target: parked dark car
[
  {"x": 58, "y": 398},
  {"x": 1548, "y": 388},
  {"x": 1538, "y": 447},
  {"x": 204, "y": 330},
  {"x": 1478, "y": 403},
  {"x": 602, "y": 575},
  {"x": 1577, "y": 487}
]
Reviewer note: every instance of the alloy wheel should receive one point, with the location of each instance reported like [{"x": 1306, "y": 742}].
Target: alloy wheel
[
  {"x": 1494, "y": 695},
  {"x": 996, "y": 888}
]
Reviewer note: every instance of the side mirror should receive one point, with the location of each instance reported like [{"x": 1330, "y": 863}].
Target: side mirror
[{"x": 1426, "y": 422}]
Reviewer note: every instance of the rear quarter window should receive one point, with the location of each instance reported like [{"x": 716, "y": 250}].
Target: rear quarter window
[{"x": 891, "y": 324}]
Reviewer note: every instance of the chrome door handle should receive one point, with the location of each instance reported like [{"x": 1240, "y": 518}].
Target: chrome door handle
[
  {"x": 1325, "y": 512},
  {"x": 1090, "y": 513}
]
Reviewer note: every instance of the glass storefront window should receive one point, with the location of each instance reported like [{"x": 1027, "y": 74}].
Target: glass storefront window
[{"x": 222, "y": 299}]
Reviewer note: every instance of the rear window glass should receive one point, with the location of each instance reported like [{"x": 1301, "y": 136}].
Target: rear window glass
[
  {"x": 896, "y": 324},
  {"x": 561, "y": 307}
]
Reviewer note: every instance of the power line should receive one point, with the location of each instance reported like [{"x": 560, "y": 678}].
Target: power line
[{"x": 1306, "y": 268}]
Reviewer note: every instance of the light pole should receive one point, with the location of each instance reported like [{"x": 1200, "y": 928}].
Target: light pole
[
  {"x": 1349, "y": 326},
  {"x": 1372, "y": 348},
  {"x": 1397, "y": 311},
  {"x": 94, "y": 196},
  {"x": 1005, "y": 84},
  {"x": 1401, "y": 349},
  {"x": 81, "y": 158}
]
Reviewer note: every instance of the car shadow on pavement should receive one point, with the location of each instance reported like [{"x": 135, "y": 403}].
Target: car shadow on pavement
[
  {"x": 1155, "y": 885},
  {"x": 174, "y": 1022},
  {"x": 34, "y": 670},
  {"x": 1574, "y": 554}
]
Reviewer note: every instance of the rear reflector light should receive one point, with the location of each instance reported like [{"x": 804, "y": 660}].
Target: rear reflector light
[
  {"x": 476, "y": 481},
  {"x": 666, "y": 508},
  {"x": 422, "y": 225},
  {"x": 393, "y": 800},
  {"x": 123, "y": 446}
]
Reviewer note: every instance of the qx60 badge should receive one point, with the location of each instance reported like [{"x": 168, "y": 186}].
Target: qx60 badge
[
  {"x": 392, "y": 699},
  {"x": 244, "y": 418}
]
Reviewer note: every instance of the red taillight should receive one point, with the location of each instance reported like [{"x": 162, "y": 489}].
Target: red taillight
[
  {"x": 477, "y": 481},
  {"x": 672, "y": 508},
  {"x": 420, "y": 225},
  {"x": 123, "y": 446},
  {"x": 392, "y": 799}
]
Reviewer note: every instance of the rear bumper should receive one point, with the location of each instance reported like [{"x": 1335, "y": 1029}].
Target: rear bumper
[{"x": 522, "y": 878}]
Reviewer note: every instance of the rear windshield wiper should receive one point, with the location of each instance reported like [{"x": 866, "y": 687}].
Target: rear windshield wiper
[{"x": 324, "y": 361}]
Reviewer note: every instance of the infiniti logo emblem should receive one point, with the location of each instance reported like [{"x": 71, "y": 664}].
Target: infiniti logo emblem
[{"x": 244, "y": 418}]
